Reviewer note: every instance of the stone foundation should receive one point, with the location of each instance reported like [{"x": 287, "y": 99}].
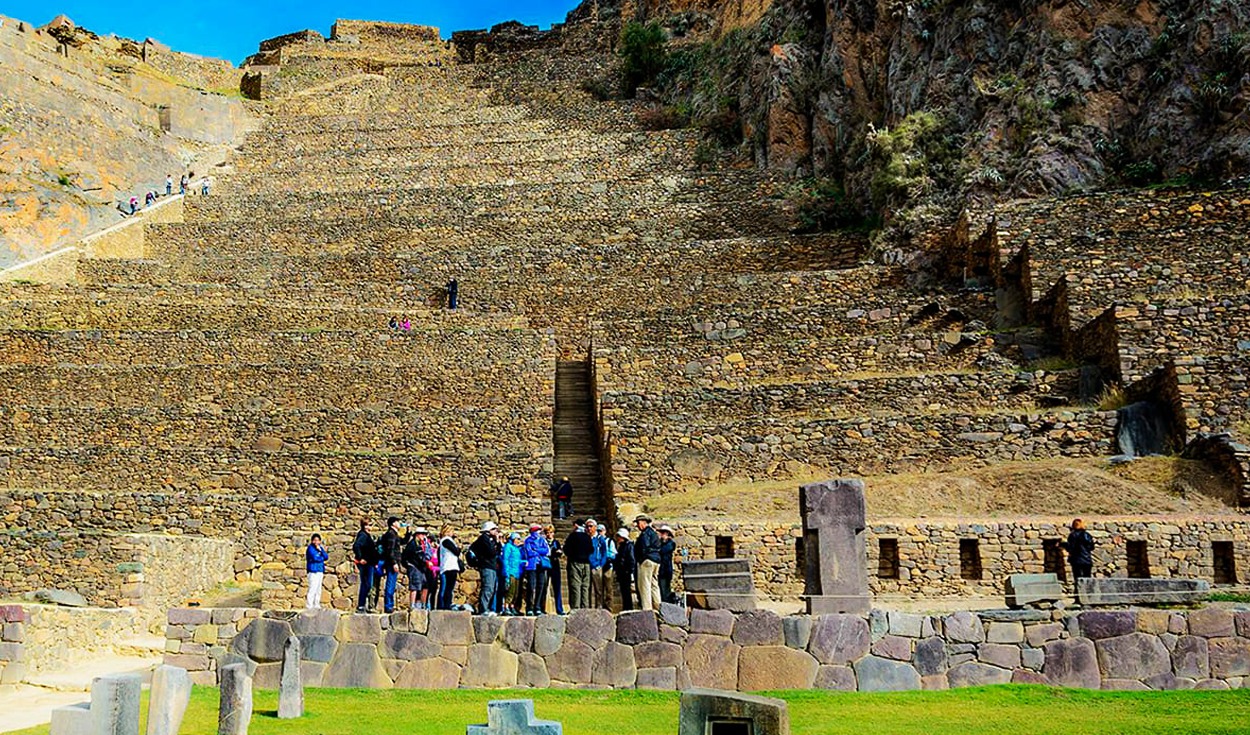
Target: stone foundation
[{"x": 679, "y": 649}]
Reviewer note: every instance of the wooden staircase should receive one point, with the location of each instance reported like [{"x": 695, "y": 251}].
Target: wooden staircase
[{"x": 576, "y": 454}]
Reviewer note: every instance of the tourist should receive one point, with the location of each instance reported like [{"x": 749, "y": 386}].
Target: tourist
[
  {"x": 413, "y": 559},
  {"x": 453, "y": 294},
  {"x": 204, "y": 184},
  {"x": 365, "y": 556},
  {"x": 392, "y": 555},
  {"x": 557, "y": 553},
  {"x": 449, "y": 567},
  {"x": 537, "y": 556},
  {"x": 483, "y": 555},
  {"x": 169, "y": 184},
  {"x": 315, "y": 557},
  {"x": 623, "y": 566},
  {"x": 134, "y": 204},
  {"x": 563, "y": 492},
  {"x": 665, "y": 576},
  {"x": 513, "y": 567},
  {"x": 577, "y": 549},
  {"x": 394, "y": 324},
  {"x": 598, "y": 563},
  {"x": 182, "y": 184},
  {"x": 406, "y": 325},
  {"x": 149, "y": 198},
  {"x": 1080, "y": 548},
  {"x": 647, "y": 556},
  {"x": 430, "y": 551}
]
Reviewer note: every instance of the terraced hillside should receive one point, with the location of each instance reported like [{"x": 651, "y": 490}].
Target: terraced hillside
[{"x": 626, "y": 316}]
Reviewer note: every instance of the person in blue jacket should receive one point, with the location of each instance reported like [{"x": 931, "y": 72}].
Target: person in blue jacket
[
  {"x": 513, "y": 566},
  {"x": 537, "y": 555},
  {"x": 315, "y": 558}
]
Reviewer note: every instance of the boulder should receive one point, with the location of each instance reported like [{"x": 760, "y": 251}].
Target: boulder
[
  {"x": 973, "y": 674},
  {"x": 839, "y": 639},
  {"x": 356, "y": 665},
  {"x": 490, "y": 665},
  {"x": 1133, "y": 656},
  {"x": 429, "y": 673},
  {"x": 763, "y": 668},
  {"x": 798, "y": 631},
  {"x": 614, "y": 666},
  {"x": 1072, "y": 663},
  {"x": 64, "y": 598},
  {"x": 264, "y": 640},
  {"x": 674, "y": 615},
  {"x": 876, "y": 674},
  {"x": 488, "y": 628},
  {"x": 712, "y": 661},
  {"x": 637, "y": 626},
  {"x": 893, "y": 646}
]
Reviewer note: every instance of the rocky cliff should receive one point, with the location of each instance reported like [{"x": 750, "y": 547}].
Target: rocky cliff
[
  {"x": 87, "y": 121},
  {"x": 915, "y": 107}
]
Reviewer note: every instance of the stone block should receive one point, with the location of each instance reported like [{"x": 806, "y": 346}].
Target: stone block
[
  {"x": 674, "y": 615},
  {"x": 1042, "y": 633},
  {"x": 712, "y": 622},
  {"x": 311, "y": 673},
  {"x": 1002, "y": 655},
  {"x": 291, "y": 686},
  {"x": 930, "y": 657},
  {"x": 1025, "y": 676},
  {"x": 356, "y": 665},
  {"x": 798, "y": 631},
  {"x": 490, "y": 666},
  {"x": 835, "y": 678},
  {"x": 206, "y": 634},
  {"x": 1211, "y": 685},
  {"x": 1005, "y": 633},
  {"x": 1032, "y": 658},
  {"x": 459, "y": 654},
  {"x": 1212, "y": 622},
  {"x": 658, "y": 654},
  {"x": 74, "y": 719},
  {"x": 13, "y": 633},
  {"x": 973, "y": 674},
  {"x": 1154, "y": 622},
  {"x": 712, "y": 661},
  {"x": 1229, "y": 657},
  {"x": 673, "y": 634},
  {"x": 1072, "y": 663},
  {"x": 532, "y": 671},
  {"x": 1097, "y": 624},
  {"x": 1030, "y": 589},
  {"x": 487, "y": 628},
  {"x": 758, "y": 628},
  {"x": 267, "y": 676},
  {"x": 189, "y": 662},
  {"x": 876, "y": 674},
  {"x": 614, "y": 666},
  {"x": 12, "y": 651},
  {"x": 893, "y": 646},
  {"x": 963, "y": 627},
  {"x": 513, "y": 717},
  {"x": 1241, "y": 620},
  {"x": 188, "y": 616},
  {"x": 12, "y": 614},
  {"x": 878, "y": 624},
  {"x": 591, "y": 626},
  {"x": 518, "y": 634},
  {"x": 1124, "y": 685},
  {"x": 839, "y": 639},
  {"x": 234, "y": 712},
  {"x": 450, "y": 627},
  {"x": 168, "y": 699},
  {"x": 766, "y": 668},
  {"x": 572, "y": 663},
  {"x": 408, "y": 646},
  {"x": 115, "y": 704},
  {"x": 1133, "y": 656},
  {"x": 767, "y": 716},
  {"x": 318, "y": 647},
  {"x": 360, "y": 628},
  {"x": 264, "y": 640},
  {"x": 663, "y": 678},
  {"x": 316, "y": 622},
  {"x": 903, "y": 624},
  {"x": 1190, "y": 657},
  {"x": 548, "y": 634},
  {"x": 429, "y": 673},
  {"x": 1166, "y": 681},
  {"x": 637, "y": 626},
  {"x": 1095, "y": 591},
  {"x": 833, "y": 518}
]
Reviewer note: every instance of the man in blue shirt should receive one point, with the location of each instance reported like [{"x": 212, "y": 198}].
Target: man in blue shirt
[{"x": 599, "y": 594}]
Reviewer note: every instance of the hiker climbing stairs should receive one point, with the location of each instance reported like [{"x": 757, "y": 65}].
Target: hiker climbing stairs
[{"x": 574, "y": 437}]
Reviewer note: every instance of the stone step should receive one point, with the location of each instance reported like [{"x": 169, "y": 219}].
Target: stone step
[
  {"x": 734, "y": 584},
  {"x": 715, "y": 567}
]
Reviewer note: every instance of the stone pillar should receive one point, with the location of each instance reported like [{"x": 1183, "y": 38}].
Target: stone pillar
[
  {"x": 235, "y": 709},
  {"x": 115, "y": 704},
  {"x": 171, "y": 692},
  {"x": 72, "y": 720},
  {"x": 836, "y": 566},
  {"x": 291, "y": 689}
]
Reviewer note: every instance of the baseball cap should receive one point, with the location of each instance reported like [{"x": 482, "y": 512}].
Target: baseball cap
[{"x": 536, "y": 526}]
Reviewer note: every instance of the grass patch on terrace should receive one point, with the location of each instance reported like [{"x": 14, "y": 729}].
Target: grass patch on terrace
[
  {"x": 978, "y": 711},
  {"x": 1043, "y": 488}
]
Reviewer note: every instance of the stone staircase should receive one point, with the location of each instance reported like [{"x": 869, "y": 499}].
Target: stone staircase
[{"x": 574, "y": 438}]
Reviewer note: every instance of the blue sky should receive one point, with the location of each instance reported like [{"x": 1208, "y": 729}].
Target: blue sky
[{"x": 231, "y": 29}]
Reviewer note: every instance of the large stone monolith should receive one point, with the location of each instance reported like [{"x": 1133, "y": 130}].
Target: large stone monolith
[
  {"x": 836, "y": 564},
  {"x": 235, "y": 709},
  {"x": 167, "y": 703},
  {"x": 291, "y": 689}
]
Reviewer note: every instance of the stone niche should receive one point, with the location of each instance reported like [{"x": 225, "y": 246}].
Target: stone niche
[{"x": 715, "y": 712}]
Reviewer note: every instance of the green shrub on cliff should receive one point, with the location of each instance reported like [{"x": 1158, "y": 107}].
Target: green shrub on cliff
[{"x": 643, "y": 54}]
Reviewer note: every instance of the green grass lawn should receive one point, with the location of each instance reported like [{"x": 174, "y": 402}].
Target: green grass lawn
[{"x": 1004, "y": 710}]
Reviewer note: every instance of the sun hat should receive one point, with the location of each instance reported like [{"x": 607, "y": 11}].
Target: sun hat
[
  {"x": 643, "y": 517},
  {"x": 664, "y": 527},
  {"x": 591, "y": 522},
  {"x": 623, "y": 533},
  {"x": 489, "y": 526},
  {"x": 420, "y": 529}
]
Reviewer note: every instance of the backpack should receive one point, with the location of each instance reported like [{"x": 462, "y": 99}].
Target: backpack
[{"x": 470, "y": 558}]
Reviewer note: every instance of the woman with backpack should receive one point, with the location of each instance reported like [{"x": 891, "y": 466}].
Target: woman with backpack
[{"x": 537, "y": 555}]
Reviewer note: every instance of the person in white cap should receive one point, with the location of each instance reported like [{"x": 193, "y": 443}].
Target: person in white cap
[
  {"x": 624, "y": 567},
  {"x": 483, "y": 555}
]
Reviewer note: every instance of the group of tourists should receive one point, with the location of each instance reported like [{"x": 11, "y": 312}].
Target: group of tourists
[
  {"x": 131, "y": 206},
  {"x": 520, "y": 572}
]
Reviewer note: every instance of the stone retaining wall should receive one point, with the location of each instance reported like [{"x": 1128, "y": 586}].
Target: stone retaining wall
[
  {"x": 677, "y": 649},
  {"x": 44, "y": 638}
]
